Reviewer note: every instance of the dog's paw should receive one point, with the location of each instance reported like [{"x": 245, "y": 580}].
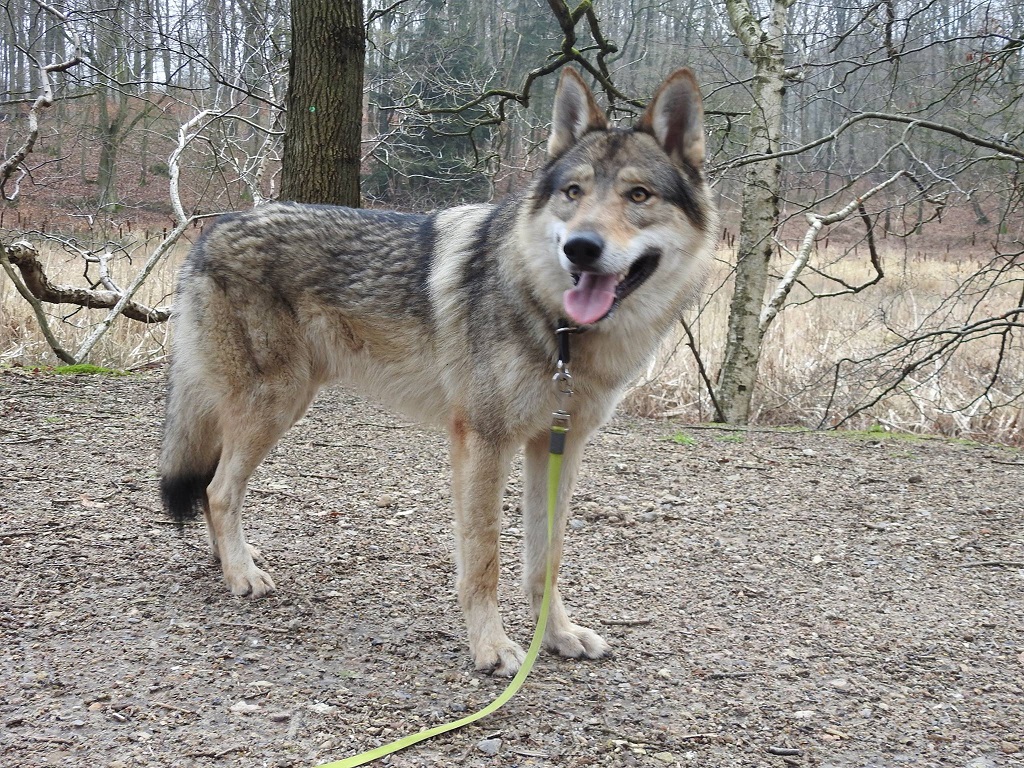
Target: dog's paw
[
  {"x": 254, "y": 552},
  {"x": 576, "y": 642},
  {"x": 251, "y": 582},
  {"x": 501, "y": 658}
]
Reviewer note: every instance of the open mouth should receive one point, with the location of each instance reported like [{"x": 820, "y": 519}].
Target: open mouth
[
  {"x": 642, "y": 269},
  {"x": 596, "y": 296}
]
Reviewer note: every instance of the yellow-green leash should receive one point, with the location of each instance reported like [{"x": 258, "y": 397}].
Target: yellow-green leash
[{"x": 559, "y": 429}]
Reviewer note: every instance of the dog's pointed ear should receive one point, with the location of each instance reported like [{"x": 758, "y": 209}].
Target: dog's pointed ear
[
  {"x": 575, "y": 114},
  {"x": 675, "y": 117}
]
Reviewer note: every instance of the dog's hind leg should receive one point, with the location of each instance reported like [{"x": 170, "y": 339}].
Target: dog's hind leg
[
  {"x": 248, "y": 436},
  {"x": 562, "y": 636},
  {"x": 480, "y": 470},
  {"x": 211, "y": 536}
]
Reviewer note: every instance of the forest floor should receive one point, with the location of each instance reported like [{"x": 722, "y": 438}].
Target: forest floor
[{"x": 774, "y": 598}]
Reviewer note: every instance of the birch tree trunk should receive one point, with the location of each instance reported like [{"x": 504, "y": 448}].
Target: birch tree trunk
[{"x": 763, "y": 46}]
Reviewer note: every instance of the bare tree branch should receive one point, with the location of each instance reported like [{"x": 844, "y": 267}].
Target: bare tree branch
[
  {"x": 1010, "y": 151},
  {"x": 45, "y": 99},
  {"x": 26, "y": 258},
  {"x": 691, "y": 342},
  {"x": 816, "y": 222}
]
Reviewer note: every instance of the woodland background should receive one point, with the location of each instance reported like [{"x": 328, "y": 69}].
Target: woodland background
[{"x": 866, "y": 155}]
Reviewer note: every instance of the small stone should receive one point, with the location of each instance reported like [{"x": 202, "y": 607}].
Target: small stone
[
  {"x": 840, "y": 684},
  {"x": 809, "y": 452},
  {"x": 280, "y": 717},
  {"x": 664, "y": 757},
  {"x": 489, "y": 746},
  {"x": 244, "y": 708},
  {"x": 1009, "y": 747},
  {"x": 321, "y": 708},
  {"x": 577, "y": 523},
  {"x": 915, "y": 479},
  {"x": 385, "y": 501},
  {"x": 621, "y": 468}
]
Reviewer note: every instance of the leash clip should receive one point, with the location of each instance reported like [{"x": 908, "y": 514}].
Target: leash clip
[{"x": 563, "y": 379}]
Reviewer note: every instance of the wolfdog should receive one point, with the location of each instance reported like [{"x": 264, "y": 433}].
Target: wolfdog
[{"x": 448, "y": 317}]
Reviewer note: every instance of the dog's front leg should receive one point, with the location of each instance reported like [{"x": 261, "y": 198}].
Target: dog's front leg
[
  {"x": 562, "y": 636},
  {"x": 480, "y": 470}
]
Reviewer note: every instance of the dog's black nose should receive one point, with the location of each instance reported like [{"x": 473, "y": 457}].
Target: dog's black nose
[{"x": 584, "y": 248}]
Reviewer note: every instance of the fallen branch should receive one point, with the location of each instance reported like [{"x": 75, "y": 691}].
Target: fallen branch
[
  {"x": 783, "y": 751},
  {"x": 25, "y": 257},
  {"x": 626, "y": 622},
  {"x": 730, "y": 675},
  {"x": 37, "y": 307},
  {"x": 993, "y": 564}
]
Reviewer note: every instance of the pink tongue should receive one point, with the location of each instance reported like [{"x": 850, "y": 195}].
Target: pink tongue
[{"x": 590, "y": 299}]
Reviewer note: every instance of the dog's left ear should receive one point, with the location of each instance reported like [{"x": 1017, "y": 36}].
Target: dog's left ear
[
  {"x": 675, "y": 117},
  {"x": 576, "y": 113}
]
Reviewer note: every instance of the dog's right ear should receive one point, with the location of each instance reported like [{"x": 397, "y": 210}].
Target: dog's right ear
[{"x": 576, "y": 113}]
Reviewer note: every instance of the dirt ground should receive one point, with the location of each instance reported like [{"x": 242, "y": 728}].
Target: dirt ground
[{"x": 774, "y": 599}]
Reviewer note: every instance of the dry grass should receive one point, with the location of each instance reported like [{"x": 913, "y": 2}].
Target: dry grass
[{"x": 797, "y": 383}]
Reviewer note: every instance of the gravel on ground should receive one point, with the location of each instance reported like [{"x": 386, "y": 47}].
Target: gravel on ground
[{"x": 774, "y": 598}]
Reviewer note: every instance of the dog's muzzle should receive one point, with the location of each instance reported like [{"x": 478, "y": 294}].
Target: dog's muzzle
[{"x": 596, "y": 295}]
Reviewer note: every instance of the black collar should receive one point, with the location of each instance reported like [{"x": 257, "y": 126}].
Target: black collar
[{"x": 563, "y": 331}]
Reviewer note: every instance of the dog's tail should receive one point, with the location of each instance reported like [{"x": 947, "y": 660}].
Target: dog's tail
[{"x": 191, "y": 445}]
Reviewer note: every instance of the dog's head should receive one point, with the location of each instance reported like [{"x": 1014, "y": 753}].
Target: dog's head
[{"x": 624, "y": 209}]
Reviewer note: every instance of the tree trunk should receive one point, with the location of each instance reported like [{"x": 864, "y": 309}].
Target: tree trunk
[
  {"x": 325, "y": 103},
  {"x": 760, "y": 199},
  {"x": 215, "y": 47},
  {"x": 109, "y": 141}
]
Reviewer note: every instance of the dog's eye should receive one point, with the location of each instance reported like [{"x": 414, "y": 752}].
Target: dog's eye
[
  {"x": 574, "y": 192},
  {"x": 639, "y": 195}
]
